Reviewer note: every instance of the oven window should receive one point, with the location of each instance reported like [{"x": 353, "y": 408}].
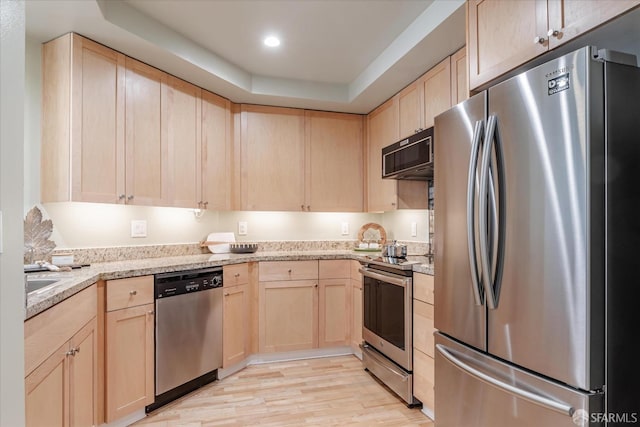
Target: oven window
[{"x": 384, "y": 310}]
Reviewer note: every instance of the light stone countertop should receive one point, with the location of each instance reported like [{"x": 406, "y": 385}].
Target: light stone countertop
[{"x": 72, "y": 282}]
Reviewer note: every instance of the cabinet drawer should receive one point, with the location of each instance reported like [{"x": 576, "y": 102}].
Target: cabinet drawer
[
  {"x": 424, "y": 379},
  {"x": 233, "y": 275},
  {"x": 334, "y": 269},
  {"x": 423, "y": 287},
  {"x": 288, "y": 270},
  {"x": 130, "y": 292},
  {"x": 423, "y": 327}
]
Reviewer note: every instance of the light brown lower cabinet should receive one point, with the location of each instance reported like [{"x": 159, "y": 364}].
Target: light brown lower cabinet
[
  {"x": 60, "y": 346},
  {"x": 62, "y": 390},
  {"x": 288, "y": 315},
  {"x": 423, "y": 340},
  {"x": 129, "y": 361},
  {"x": 235, "y": 324},
  {"x": 334, "y": 311}
]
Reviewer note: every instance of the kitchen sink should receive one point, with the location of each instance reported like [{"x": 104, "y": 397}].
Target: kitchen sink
[{"x": 35, "y": 284}]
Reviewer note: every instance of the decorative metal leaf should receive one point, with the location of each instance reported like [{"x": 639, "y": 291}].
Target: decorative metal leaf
[{"x": 37, "y": 245}]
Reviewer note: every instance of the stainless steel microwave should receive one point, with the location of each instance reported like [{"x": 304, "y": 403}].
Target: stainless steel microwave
[{"x": 410, "y": 158}]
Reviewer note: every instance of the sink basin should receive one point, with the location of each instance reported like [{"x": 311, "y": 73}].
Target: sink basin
[{"x": 35, "y": 284}]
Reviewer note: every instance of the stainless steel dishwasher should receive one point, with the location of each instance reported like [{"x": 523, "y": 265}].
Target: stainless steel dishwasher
[{"x": 188, "y": 332}]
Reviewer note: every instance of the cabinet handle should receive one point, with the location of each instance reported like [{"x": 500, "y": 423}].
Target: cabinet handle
[
  {"x": 553, "y": 33},
  {"x": 151, "y": 312},
  {"x": 315, "y": 285},
  {"x": 70, "y": 352},
  {"x": 393, "y": 203},
  {"x": 236, "y": 275},
  {"x": 309, "y": 208},
  {"x": 289, "y": 271},
  {"x": 121, "y": 197},
  {"x": 133, "y": 293},
  {"x": 226, "y": 294},
  {"x": 302, "y": 207},
  {"x": 76, "y": 350},
  {"x": 539, "y": 40},
  {"x": 130, "y": 198},
  {"x": 205, "y": 204}
]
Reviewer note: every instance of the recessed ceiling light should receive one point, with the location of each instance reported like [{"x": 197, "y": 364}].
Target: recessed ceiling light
[{"x": 272, "y": 41}]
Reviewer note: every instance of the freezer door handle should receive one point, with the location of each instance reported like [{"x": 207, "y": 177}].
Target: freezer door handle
[
  {"x": 536, "y": 399},
  {"x": 472, "y": 180}
]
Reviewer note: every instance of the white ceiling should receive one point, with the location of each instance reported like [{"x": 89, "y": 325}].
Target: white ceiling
[{"x": 338, "y": 55}]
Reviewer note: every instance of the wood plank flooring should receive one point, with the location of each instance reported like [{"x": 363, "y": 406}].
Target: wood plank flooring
[{"x": 333, "y": 391}]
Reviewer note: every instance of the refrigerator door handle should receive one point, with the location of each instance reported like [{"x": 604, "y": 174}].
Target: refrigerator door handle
[
  {"x": 536, "y": 399},
  {"x": 491, "y": 263},
  {"x": 478, "y": 293}
]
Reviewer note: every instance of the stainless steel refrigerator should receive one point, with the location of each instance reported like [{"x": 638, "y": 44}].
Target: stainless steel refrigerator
[{"x": 537, "y": 239}]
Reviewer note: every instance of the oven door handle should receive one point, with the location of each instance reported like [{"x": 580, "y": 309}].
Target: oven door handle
[{"x": 394, "y": 280}]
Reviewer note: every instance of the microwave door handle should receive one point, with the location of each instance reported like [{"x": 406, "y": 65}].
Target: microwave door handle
[{"x": 472, "y": 182}]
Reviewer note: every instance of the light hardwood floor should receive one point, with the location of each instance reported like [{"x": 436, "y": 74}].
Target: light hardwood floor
[{"x": 334, "y": 391}]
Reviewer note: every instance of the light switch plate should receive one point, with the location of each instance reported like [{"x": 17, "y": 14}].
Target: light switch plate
[
  {"x": 242, "y": 228},
  {"x": 138, "y": 228}
]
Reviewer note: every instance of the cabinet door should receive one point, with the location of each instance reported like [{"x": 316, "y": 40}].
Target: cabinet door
[
  {"x": 356, "y": 319},
  {"x": 272, "y": 158},
  {"x": 97, "y": 126},
  {"x": 570, "y": 18},
  {"x": 501, "y": 35},
  {"x": 334, "y": 166},
  {"x": 83, "y": 377},
  {"x": 216, "y": 152},
  {"x": 437, "y": 91},
  {"x": 410, "y": 101},
  {"x": 423, "y": 327},
  {"x": 129, "y": 360},
  {"x": 181, "y": 122},
  {"x": 382, "y": 131},
  {"x": 424, "y": 380},
  {"x": 145, "y": 151},
  {"x": 47, "y": 391},
  {"x": 288, "y": 315},
  {"x": 334, "y": 307},
  {"x": 459, "y": 75},
  {"x": 235, "y": 325}
]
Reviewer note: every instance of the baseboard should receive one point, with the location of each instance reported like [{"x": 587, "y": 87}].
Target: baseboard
[
  {"x": 128, "y": 420},
  {"x": 428, "y": 412}
]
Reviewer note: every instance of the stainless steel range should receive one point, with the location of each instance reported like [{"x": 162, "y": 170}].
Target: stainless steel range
[{"x": 387, "y": 323}]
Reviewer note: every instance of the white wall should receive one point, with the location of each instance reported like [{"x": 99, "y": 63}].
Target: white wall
[{"x": 12, "y": 302}]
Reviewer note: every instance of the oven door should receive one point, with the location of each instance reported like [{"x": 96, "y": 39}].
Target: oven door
[{"x": 387, "y": 322}]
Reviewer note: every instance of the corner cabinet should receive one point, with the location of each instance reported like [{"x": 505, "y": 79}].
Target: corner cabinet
[
  {"x": 61, "y": 380},
  {"x": 502, "y": 35},
  {"x": 300, "y": 160},
  {"x": 129, "y": 359},
  {"x": 288, "y": 306}
]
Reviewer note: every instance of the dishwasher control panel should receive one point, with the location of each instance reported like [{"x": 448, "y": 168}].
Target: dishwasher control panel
[{"x": 185, "y": 282}]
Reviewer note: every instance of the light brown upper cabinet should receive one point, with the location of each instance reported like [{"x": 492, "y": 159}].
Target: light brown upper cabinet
[
  {"x": 382, "y": 131},
  {"x": 272, "y": 158},
  {"x": 216, "y": 152},
  {"x": 146, "y": 151},
  {"x": 297, "y": 160},
  {"x": 181, "y": 134},
  {"x": 501, "y": 35},
  {"x": 459, "y": 77},
  {"x": 334, "y": 162},
  {"x": 437, "y": 91},
  {"x": 410, "y": 106},
  {"x": 82, "y": 121}
]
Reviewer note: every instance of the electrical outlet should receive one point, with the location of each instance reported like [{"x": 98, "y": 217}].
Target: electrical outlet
[
  {"x": 345, "y": 228},
  {"x": 414, "y": 229},
  {"x": 242, "y": 228},
  {"x": 139, "y": 228}
]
